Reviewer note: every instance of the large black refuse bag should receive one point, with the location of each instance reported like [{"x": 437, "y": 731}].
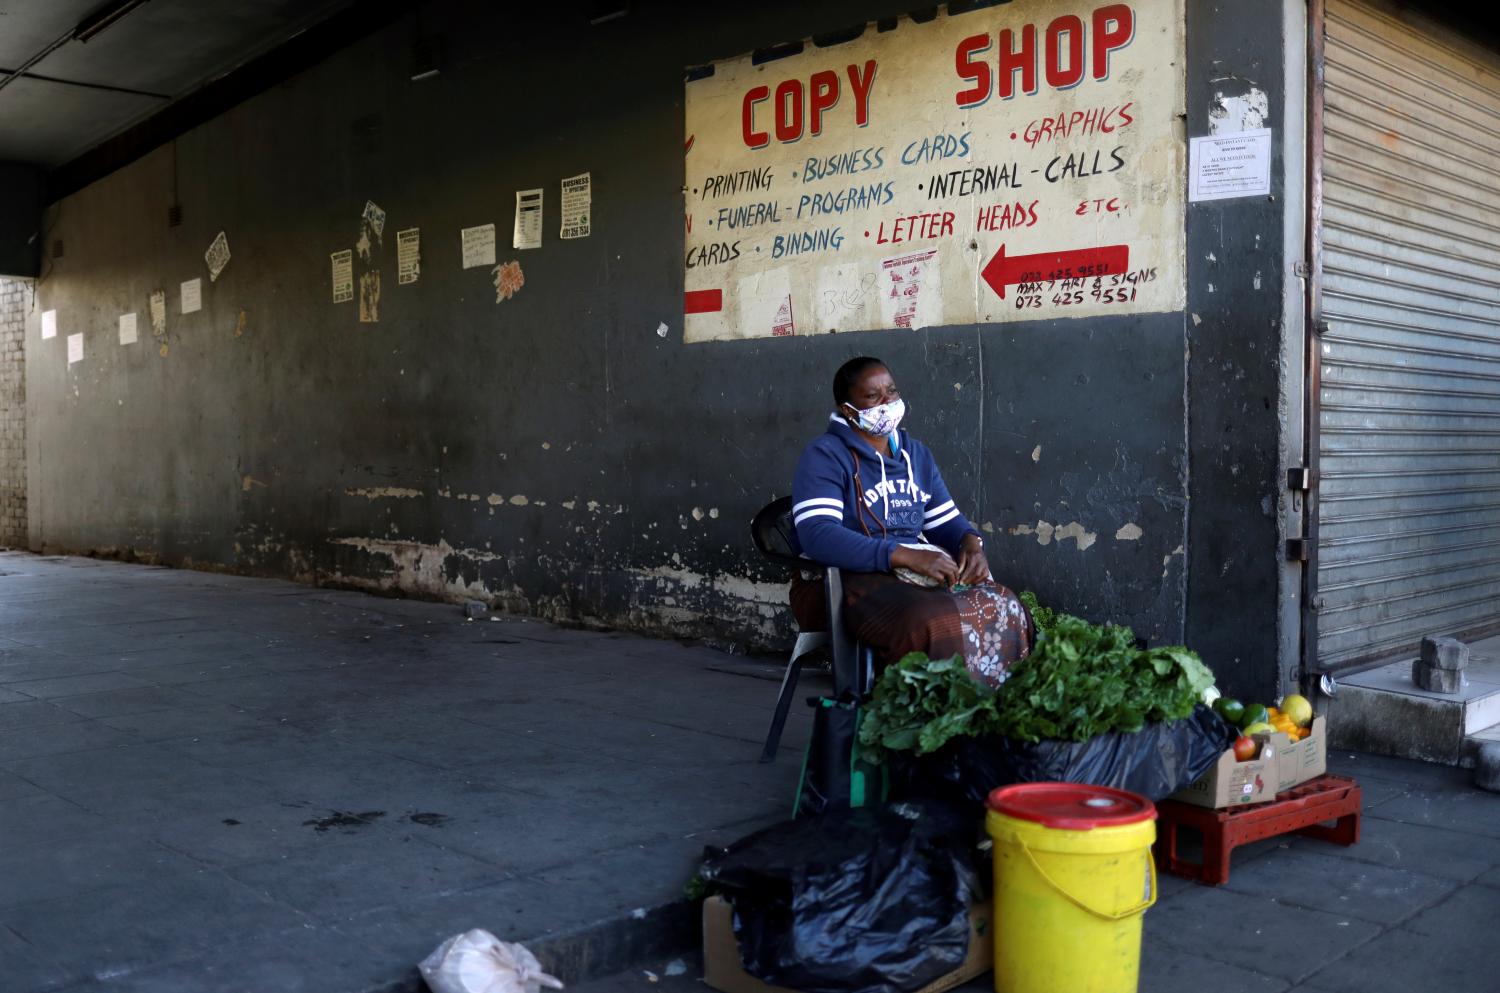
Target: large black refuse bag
[
  {"x": 1154, "y": 762},
  {"x": 853, "y": 901}
]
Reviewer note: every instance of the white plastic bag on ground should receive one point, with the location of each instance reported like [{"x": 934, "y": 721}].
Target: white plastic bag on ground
[{"x": 478, "y": 962}]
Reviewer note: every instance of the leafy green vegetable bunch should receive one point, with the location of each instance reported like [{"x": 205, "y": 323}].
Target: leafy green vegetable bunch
[{"x": 1080, "y": 680}]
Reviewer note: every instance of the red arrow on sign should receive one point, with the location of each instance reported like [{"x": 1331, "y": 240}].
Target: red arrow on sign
[{"x": 1043, "y": 266}]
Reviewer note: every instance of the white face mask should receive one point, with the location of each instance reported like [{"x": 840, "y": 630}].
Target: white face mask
[{"x": 883, "y": 420}]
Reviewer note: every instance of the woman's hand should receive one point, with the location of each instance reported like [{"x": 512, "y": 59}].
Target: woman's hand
[
  {"x": 938, "y": 565},
  {"x": 973, "y": 567}
]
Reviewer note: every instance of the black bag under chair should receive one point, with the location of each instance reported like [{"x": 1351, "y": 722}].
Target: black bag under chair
[{"x": 835, "y": 776}]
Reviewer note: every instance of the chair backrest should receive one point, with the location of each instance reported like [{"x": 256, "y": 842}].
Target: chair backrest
[{"x": 775, "y": 535}]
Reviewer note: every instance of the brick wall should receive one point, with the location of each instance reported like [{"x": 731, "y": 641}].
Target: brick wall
[{"x": 14, "y": 298}]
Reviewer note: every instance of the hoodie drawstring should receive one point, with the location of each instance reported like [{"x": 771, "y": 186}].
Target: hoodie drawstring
[{"x": 911, "y": 479}]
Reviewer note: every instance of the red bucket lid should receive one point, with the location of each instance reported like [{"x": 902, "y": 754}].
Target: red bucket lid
[{"x": 1071, "y": 806}]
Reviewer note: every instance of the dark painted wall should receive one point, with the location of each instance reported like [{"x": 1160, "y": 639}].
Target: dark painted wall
[
  {"x": 623, "y": 466},
  {"x": 20, "y": 219},
  {"x": 1236, "y": 277}
]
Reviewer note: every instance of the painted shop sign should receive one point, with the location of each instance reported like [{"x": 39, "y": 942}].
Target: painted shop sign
[{"x": 1017, "y": 162}]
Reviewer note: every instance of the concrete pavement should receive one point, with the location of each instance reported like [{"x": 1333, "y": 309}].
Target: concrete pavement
[
  {"x": 211, "y": 783},
  {"x": 216, "y": 783}
]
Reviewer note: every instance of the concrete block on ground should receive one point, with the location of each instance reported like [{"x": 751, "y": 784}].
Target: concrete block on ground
[
  {"x": 1487, "y": 767},
  {"x": 1445, "y": 653},
  {"x": 1436, "y": 680}
]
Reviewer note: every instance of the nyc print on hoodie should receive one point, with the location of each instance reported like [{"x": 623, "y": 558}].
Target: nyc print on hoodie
[{"x": 901, "y": 499}]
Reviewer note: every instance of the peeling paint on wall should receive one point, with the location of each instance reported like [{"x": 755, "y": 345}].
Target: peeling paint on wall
[
  {"x": 369, "y": 297},
  {"x": 1046, "y": 533},
  {"x": 1166, "y": 560},
  {"x": 418, "y": 568},
  {"x": 377, "y": 492},
  {"x": 1129, "y": 532},
  {"x": 1230, "y": 114}
]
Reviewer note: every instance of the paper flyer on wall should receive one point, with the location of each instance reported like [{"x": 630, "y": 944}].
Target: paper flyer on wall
[
  {"x": 479, "y": 246},
  {"x": 158, "y": 312},
  {"x": 75, "y": 348},
  {"x": 192, "y": 296},
  {"x": 577, "y": 202},
  {"x": 127, "y": 329},
  {"x": 408, "y": 255},
  {"x": 528, "y": 232},
  {"x": 49, "y": 324},
  {"x": 375, "y": 216},
  {"x": 343, "y": 275},
  {"x": 1224, "y": 166},
  {"x": 217, "y": 257}
]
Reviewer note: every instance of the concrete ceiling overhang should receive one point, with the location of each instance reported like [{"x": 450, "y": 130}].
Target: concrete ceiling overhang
[{"x": 79, "y": 94}]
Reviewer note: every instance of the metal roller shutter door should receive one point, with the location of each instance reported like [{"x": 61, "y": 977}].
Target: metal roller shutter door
[{"x": 1409, "y": 499}]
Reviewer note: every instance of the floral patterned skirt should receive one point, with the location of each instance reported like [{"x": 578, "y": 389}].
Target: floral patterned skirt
[{"x": 986, "y": 623}]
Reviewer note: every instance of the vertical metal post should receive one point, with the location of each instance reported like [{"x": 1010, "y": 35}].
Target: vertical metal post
[{"x": 1311, "y": 407}]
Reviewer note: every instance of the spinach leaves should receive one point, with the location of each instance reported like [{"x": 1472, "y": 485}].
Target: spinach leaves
[{"x": 1080, "y": 680}]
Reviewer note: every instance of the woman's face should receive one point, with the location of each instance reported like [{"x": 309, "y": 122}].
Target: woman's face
[{"x": 873, "y": 388}]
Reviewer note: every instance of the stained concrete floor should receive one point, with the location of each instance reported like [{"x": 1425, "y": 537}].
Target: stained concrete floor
[
  {"x": 1411, "y": 907},
  {"x": 211, "y": 784}
]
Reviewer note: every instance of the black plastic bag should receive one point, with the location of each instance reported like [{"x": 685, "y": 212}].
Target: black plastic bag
[
  {"x": 835, "y": 775},
  {"x": 855, "y": 901},
  {"x": 1154, "y": 762}
]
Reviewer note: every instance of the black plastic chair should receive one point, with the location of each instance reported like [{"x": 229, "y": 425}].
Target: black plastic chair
[{"x": 774, "y": 535}]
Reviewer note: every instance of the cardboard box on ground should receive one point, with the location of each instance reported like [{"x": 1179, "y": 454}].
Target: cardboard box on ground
[
  {"x": 723, "y": 970},
  {"x": 1282, "y": 764}
]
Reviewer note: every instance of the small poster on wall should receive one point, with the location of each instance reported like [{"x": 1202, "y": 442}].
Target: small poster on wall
[
  {"x": 343, "y": 275},
  {"x": 577, "y": 202},
  {"x": 1224, "y": 166},
  {"x": 192, "y": 296},
  {"x": 479, "y": 246},
  {"x": 528, "y": 233},
  {"x": 217, "y": 257},
  {"x": 408, "y": 255}
]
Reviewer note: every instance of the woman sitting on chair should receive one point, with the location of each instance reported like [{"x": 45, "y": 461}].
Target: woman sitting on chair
[{"x": 869, "y": 500}]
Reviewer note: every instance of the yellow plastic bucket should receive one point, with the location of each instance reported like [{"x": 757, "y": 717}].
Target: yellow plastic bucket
[{"x": 1073, "y": 877}]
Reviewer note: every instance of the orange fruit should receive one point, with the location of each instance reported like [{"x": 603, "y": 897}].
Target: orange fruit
[{"x": 1298, "y": 709}]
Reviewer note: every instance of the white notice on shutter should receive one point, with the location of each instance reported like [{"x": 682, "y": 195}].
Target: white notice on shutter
[
  {"x": 75, "y": 348},
  {"x": 127, "y": 329},
  {"x": 49, "y": 324}
]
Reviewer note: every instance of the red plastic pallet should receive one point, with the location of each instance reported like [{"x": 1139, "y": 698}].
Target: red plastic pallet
[{"x": 1304, "y": 809}]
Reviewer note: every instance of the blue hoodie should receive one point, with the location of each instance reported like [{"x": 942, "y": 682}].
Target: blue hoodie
[{"x": 904, "y": 500}]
